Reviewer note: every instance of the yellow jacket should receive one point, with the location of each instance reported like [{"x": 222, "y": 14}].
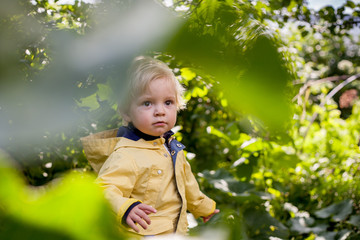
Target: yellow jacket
[{"x": 132, "y": 171}]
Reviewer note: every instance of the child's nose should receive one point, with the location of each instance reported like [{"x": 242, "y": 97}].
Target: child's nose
[{"x": 159, "y": 110}]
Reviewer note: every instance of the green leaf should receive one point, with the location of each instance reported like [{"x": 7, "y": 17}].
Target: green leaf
[
  {"x": 259, "y": 89},
  {"x": 89, "y": 102},
  {"x": 337, "y": 211},
  {"x": 187, "y": 74},
  {"x": 262, "y": 225},
  {"x": 343, "y": 234},
  {"x": 328, "y": 235},
  {"x": 208, "y": 9},
  {"x": 304, "y": 33},
  {"x": 105, "y": 92},
  {"x": 224, "y": 181},
  {"x": 355, "y": 220},
  {"x": 304, "y": 225},
  {"x": 252, "y": 145},
  {"x": 350, "y": 4},
  {"x": 74, "y": 207},
  {"x": 254, "y": 81},
  {"x": 292, "y": 5},
  {"x": 244, "y": 169},
  {"x": 282, "y": 159},
  {"x": 199, "y": 92}
]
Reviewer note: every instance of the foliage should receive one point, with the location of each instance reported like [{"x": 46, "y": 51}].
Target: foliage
[
  {"x": 277, "y": 169},
  {"x": 61, "y": 210}
]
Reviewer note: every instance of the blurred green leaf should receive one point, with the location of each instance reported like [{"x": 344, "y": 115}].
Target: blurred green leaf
[
  {"x": 337, "y": 211},
  {"x": 187, "y": 74},
  {"x": 306, "y": 225},
  {"x": 283, "y": 160},
  {"x": 105, "y": 92},
  {"x": 73, "y": 207},
  {"x": 354, "y": 220},
  {"x": 261, "y": 225},
  {"x": 350, "y": 4},
  {"x": 245, "y": 167},
  {"x": 89, "y": 102},
  {"x": 253, "y": 78}
]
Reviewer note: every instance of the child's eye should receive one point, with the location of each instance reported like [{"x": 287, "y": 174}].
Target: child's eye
[
  {"x": 169, "y": 102},
  {"x": 147, "y": 103}
]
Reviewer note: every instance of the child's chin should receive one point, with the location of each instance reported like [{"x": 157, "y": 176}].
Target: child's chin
[
  {"x": 159, "y": 132},
  {"x": 156, "y": 134}
]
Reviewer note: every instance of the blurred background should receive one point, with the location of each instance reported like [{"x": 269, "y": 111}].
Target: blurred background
[{"x": 271, "y": 126}]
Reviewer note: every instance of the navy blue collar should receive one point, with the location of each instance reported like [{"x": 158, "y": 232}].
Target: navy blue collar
[{"x": 132, "y": 133}]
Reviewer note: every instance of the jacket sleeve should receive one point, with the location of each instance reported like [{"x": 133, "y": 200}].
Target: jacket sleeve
[
  {"x": 197, "y": 202},
  {"x": 117, "y": 177}
]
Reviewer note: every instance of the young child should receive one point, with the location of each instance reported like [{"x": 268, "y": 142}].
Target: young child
[{"x": 145, "y": 175}]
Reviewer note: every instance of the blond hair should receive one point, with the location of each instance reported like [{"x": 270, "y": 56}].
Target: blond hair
[{"x": 141, "y": 72}]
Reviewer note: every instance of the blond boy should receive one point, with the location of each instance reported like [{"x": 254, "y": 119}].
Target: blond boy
[{"x": 145, "y": 176}]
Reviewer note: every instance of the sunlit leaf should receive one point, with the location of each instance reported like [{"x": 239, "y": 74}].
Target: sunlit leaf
[
  {"x": 73, "y": 207},
  {"x": 89, "y": 102},
  {"x": 281, "y": 159},
  {"x": 105, "y": 92},
  {"x": 187, "y": 74}
]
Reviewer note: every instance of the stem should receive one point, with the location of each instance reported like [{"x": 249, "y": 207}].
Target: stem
[
  {"x": 330, "y": 95},
  {"x": 313, "y": 82}
]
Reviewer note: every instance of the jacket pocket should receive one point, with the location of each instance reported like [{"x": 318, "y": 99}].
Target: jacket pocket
[{"x": 154, "y": 186}]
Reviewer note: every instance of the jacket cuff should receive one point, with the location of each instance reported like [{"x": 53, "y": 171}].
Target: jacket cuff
[
  {"x": 125, "y": 206},
  {"x": 123, "y": 220},
  {"x": 212, "y": 210},
  {"x": 206, "y": 208}
]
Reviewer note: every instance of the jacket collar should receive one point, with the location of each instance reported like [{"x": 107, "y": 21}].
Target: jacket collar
[
  {"x": 132, "y": 133},
  {"x": 129, "y": 135}
]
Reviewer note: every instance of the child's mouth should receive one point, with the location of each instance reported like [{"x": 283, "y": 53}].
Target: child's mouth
[{"x": 159, "y": 123}]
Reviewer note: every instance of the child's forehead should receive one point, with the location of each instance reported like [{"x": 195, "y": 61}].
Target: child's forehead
[
  {"x": 150, "y": 88},
  {"x": 153, "y": 82}
]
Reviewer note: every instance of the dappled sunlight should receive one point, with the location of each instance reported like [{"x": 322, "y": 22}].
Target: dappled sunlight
[{"x": 271, "y": 125}]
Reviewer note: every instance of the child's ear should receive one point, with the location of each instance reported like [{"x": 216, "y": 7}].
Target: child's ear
[{"x": 126, "y": 117}]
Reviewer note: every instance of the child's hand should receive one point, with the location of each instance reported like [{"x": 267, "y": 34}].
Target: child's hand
[
  {"x": 205, "y": 219},
  {"x": 139, "y": 214}
]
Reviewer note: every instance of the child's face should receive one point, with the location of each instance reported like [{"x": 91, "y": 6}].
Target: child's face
[{"x": 154, "y": 111}]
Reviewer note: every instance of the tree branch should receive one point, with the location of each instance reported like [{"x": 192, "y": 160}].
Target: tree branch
[
  {"x": 318, "y": 81},
  {"x": 330, "y": 95}
]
